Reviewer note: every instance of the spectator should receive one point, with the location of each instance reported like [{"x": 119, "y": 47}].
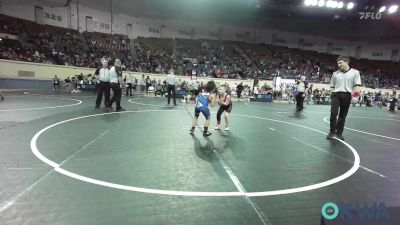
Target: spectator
[
  {"x": 158, "y": 89},
  {"x": 129, "y": 80},
  {"x": 142, "y": 84},
  {"x": 239, "y": 90},
  {"x": 56, "y": 83},
  {"x": 148, "y": 83}
]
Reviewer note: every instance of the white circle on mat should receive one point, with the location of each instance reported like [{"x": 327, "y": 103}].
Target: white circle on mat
[
  {"x": 78, "y": 102},
  {"x": 364, "y": 132},
  {"x": 60, "y": 170}
]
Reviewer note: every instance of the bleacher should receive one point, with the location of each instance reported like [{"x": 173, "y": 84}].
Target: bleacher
[{"x": 33, "y": 42}]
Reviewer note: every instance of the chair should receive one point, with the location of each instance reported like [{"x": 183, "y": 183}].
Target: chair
[
  {"x": 285, "y": 97},
  {"x": 150, "y": 90}
]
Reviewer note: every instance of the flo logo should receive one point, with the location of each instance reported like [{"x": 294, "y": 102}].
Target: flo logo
[
  {"x": 355, "y": 211},
  {"x": 370, "y": 15}
]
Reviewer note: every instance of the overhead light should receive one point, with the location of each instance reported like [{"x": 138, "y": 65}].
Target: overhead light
[
  {"x": 314, "y": 2},
  {"x": 334, "y": 4},
  {"x": 329, "y": 3},
  {"x": 350, "y": 5},
  {"x": 321, "y": 3},
  {"x": 340, "y": 5},
  {"x": 307, "y": 2},
  {"x": 382, "y": 9},
  {"x": 393, "y": 9}
]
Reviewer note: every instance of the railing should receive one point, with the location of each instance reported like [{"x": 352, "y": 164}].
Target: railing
[{"x": 24, "y": 83}]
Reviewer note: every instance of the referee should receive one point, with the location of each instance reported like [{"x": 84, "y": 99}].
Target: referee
[
  {"x": 343, "y": 82},
  {"x": 302, "y": 86},
  {"x": 116, "y": 83},
  {"x": 171, "y": 81},
  {"x": 104, "y": 85}
]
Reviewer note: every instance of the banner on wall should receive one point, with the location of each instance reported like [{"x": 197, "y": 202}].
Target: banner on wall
[
  {"x": 8, "y": 36},
  {"x": 179, "y": 94},
  {"x": 281, "y": 84},
  {"x": 265, "y": 97}
]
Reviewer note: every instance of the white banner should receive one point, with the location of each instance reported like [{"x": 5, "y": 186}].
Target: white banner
[
  {"x": 8, "y": 36},
  {"x": 282, "y": 84}
]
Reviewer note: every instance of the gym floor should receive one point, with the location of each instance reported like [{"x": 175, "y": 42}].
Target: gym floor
[{"x": 63, "y": 162}]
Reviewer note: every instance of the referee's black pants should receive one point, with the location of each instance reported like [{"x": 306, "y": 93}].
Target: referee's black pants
[
  {"x": 340, "y": 103},
  {"x": 171, "y": 90},
  {"x": 300, "y": 101},
  {"x": 103, "y": 87},
  {"x": 239, "y": 94},
  {"x": 117, "y": 95}
]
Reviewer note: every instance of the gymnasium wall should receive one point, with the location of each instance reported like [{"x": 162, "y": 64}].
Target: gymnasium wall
[
  {"x": 17, "y": 69},
  {"x": 37, "y": 71},
  {"x": 71, "y": 16}
]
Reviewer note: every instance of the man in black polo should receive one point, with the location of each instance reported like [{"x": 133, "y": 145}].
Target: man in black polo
[
  {"x": 239, "y": 90},
  {"x": 343, "y": 82},
  {"x": 393, "y": 102},
  {"x": 116, "y": 83}
]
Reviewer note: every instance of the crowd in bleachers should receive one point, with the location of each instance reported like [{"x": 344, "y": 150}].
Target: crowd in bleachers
[
  {"x": 207, "y": 58},
  {"x": 55, "y": 45},
  {"x": 154, "y": 55}
]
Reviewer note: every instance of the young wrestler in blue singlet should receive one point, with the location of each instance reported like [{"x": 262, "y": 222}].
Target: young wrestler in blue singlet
[{"x": 203, "y": 100}]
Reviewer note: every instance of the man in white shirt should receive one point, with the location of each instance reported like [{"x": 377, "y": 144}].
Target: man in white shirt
[
  {"x": 104, "y": 85},
  {"x": 129, "y": 81},
  {"x": 56, "y": 83},
  {"x": 171, "y": 82},
  {"x": 116, "y": 83},
  {"x": 194, "y": 90},
  {"x": 142, "y": 84},
  {"x": 302, "y": 86},
  {"x": 159, "y": 89},
  {"x": 343, "y": 82}
]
